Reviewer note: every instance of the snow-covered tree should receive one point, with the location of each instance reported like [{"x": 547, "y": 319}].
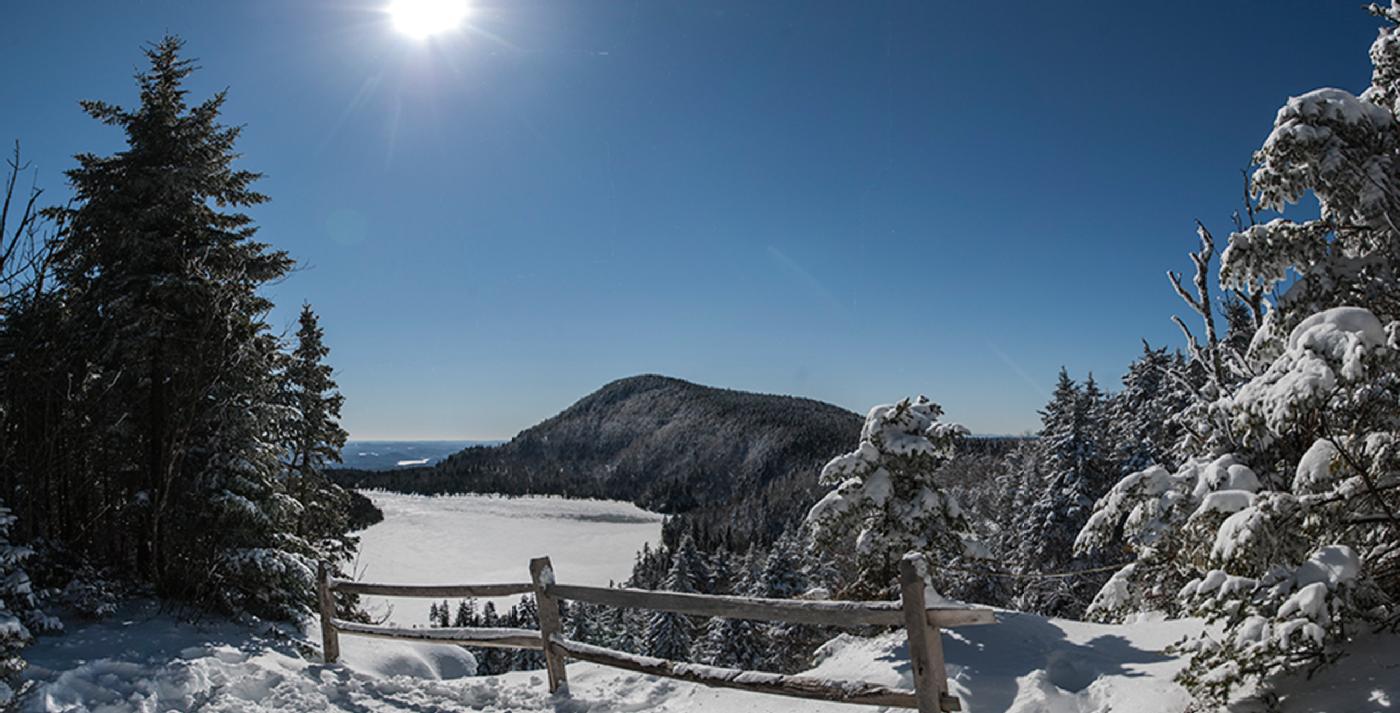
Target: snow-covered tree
[
  {"x": 1282, "y": 527},
  {"x": 1141, "y": 417},
  {"x": 786, "y": 647},
  {"x": 669, "y": 635},
  {"x": 20, "y": 615},
  {"x": 1077, "y": 471},
  {"x": 884, "y": 500},
  {"x": 313, "y": 438},
  {"x": 160, "y": 273},
  {"x": 466, "y": 614},
  {"x": 735, "y": 643}
]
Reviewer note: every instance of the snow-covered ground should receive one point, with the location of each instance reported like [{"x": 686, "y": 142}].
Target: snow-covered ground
[
  {"x": 483, "y": 538},
  {"x": 145, "y": 660}
]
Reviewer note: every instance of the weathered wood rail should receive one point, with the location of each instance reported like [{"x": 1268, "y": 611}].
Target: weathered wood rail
[{"x": 922, "y": 623}]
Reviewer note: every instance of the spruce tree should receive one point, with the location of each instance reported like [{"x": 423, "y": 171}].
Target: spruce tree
[
  {"x": 492, "y": 661},
  {"x": 1141, "y": 418},
  {"x": 161, "y": 274},
  {"x": 314, "y": 439},
  {"x": 1077, "y": 472},
  {"x": 735, "y": 643},
  {"x": 466, "y": 614},
  {"x": 785, "y": 646},
  {"x": 885, "y": 502},
  {"x": 669, "y": 635},
  {"x": 20, "y": 615},
  {"x": 1280, "y": 525}
]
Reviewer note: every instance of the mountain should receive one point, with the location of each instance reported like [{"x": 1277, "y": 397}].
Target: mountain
[
  {"x": 665, "y": 444},
  {"x": 737, "y": 467}
]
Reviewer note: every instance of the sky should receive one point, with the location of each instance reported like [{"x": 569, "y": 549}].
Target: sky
[{"x": 853, "y": 202}]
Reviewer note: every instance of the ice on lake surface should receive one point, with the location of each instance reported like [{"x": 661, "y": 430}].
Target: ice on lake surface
[{"x": 471, "y": 539}]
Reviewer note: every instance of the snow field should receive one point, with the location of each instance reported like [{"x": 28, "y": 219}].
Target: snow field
[{"x": 475, "y": 539}]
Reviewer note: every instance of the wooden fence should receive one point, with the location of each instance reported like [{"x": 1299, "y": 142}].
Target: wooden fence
[{"x": 923, "y": 624}]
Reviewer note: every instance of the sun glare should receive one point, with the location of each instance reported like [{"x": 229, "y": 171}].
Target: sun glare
[{"x": 423, "y": 18}]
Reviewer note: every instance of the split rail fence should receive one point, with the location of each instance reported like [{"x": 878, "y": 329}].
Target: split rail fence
[{"x": 922, "y": 623}]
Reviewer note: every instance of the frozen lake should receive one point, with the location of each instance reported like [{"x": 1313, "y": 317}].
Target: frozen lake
[{"x": 456, "y": 539}]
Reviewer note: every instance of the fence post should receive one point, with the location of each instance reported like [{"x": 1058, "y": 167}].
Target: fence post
[
  {"x": 542, "y": 574},
  {"x": 925, "y": 642},
  {"x": 330, "y": 638}
]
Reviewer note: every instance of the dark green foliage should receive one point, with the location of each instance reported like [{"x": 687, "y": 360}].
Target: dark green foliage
[
  {"x": 491, "y": 661},
  {"x": 148, "y": 408},
  {"x": 670, "y": 635},
  {"x": 162, "y": 282},
  {"x": 362, "y": 511},
  {"x": 1073, "y": 457},
  {"x": 312, "y": 439}
]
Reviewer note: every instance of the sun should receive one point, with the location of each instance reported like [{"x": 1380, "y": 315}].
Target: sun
[{"x": 423, "y": 18}]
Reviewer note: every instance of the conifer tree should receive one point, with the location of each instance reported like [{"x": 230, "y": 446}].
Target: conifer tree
[
  {"x": 735, "y": 643},
  {"x": 1280, "y": 525},
  {"x": 1141, "y": 417},
  {"x": 885, "y": 502},
  {"x": 669, "y": 635},
  {"x": 492, "y": 661},
  {"x": 161, "y": 274},
  {"x": 20, "y": 615},
  {"x": 314, "y": 439},
  {"x": 466, "y": 614},
  {"x": 785, "y": 646},
  {"x": 1077, "y": 472}
]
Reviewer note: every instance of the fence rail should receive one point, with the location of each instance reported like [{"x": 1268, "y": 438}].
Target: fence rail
[{"x": 922, "y": 623}]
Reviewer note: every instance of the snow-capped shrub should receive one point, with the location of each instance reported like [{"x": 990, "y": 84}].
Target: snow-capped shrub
[
  {"x": 1279, "y": 622},
  {"x": 1280, "y": 559},
  {"x": 89, "y": 594},
  {"x": 885, "y": 502},
  {"x": 1325, "y": 357},
  {"x": 1151, "y": 512},
  {"x": 20, "y": 615}
]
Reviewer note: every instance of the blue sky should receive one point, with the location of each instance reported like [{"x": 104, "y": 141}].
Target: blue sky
[{"x": 847, "y": 201}]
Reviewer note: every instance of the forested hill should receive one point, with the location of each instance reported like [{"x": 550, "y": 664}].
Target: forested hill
[{"x": 663, "y": 443}]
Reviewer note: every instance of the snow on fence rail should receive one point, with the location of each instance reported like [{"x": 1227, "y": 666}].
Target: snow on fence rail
[{"x": 923, "y": 624}]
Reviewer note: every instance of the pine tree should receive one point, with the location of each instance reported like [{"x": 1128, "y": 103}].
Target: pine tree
[
  {"x": 668, "y": 635},
  {"x": 582, "y": 622},
  {"x": 1280, "y": 525},
  {"x": 885, "y": 502},
  {"x": 781, "y": 576},
  {"x": 1077, "y": 471},
  {"x": 1142, "y": 426},
  {"x": 161, "y": 275},
  {"x": 492, "y": 661},
  {"x": 786, "y": 646},
  {"x": 524, "y": 615},
  {"x": 466, "y": 614},
  {"x": 314, "y": 438},
  {"x": 735, "y": 643},
  {"x": 20, "y": 615}
]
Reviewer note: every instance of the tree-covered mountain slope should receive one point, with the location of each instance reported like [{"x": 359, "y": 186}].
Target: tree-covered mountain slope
[{"x": 666, "y": 444}]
